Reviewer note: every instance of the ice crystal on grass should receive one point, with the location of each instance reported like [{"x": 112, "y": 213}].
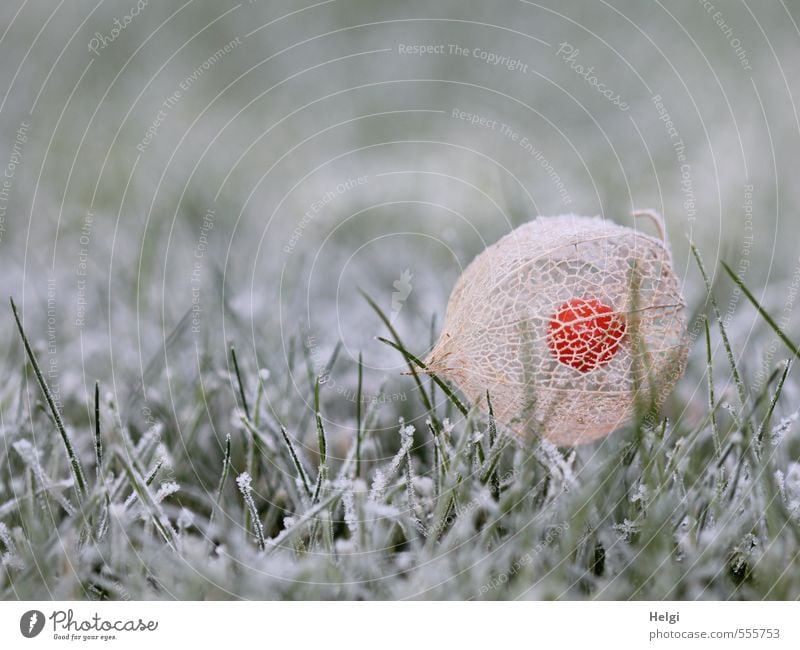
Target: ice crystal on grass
[
  {"x": 626, "y": 529},
  {"x": 639, "y": 494},
  {"x": 382, "y": 477},
  {"x": 244, "y": 481},
  {"x": 378, "y": 486},
  {"x": 783, "y": 427},
  {"x": 9, "y": 557},
  {"x": 559, "y": 465},
  {"x": 166, "y": 489},
  {"x": 5, "y": 537},
  {"x": 347, "y": 489},
  {"x": 31, "y": 456},
  {"x": 185, "y": 519},
  {"x": 789, "y": 485}
]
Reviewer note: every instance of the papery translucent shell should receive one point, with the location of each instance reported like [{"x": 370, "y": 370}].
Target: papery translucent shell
[{"x": 573, "y": 324}]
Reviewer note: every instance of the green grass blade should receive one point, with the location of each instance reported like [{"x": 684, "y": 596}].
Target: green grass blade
[
  {"x": 226, "y": 466},
  {"x": 245, "y": 406},
  {"x": 75, "y": 463},
  {"x": 142, "y": 491},
  {"x": 737, "y": 378},
  {"x": 98, "y": 441},
  {"x": 301, "y": 472},
  {"x": 773, "y": 402},
  {"x": 778, "y": 331},
  {"x": 711, "y": 399},
  {"x": 494, "y": 454},
  {"x": 399, "y": 346},
  {"x": 359, "y": 415},
  {"x": 439, "y": 382},
  {"x": 243, "y": 481},
  {"x": 323, "y": 446}
]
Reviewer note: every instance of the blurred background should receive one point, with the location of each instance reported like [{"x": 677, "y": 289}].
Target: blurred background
[{"x": 183, "y": 176}]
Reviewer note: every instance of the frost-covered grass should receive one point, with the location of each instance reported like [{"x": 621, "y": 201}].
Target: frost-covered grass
[
  {"x": 302, "y": 465},
  {"x": 698, "y": 505}
]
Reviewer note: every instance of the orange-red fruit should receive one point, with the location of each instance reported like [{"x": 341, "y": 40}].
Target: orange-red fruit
[{"x": 585, "y": 333}]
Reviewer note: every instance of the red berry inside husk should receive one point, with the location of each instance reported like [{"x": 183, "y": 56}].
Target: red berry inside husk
[{"x": 585, "y": 333}]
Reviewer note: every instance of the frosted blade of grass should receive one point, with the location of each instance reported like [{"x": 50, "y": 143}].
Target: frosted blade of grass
[
  {"x": 167, "y": 489},
  {"x": 773, "y": 402},
  {"x": 327, "y": 530},
  {"x": 238, "y": 374},
  {"x": 492, "y": 421},
  {"x": 431, "y": 343},
  {"x": 489, "y": 474},
  {"x": 254, "y": 438},
  {"x": 263, "y": 377},
  {"x": 98, "y": 442},
  {"x": 711, "y": 400},
  {"x": 358, "y": 415},
  {"x": 250, "y": 465},
  {"x": 778, "y": 331},
  {"x": 440, "y": 446},
  {"x": 257, "y": 434},
  {"x": 442, "y": 517},
  {"x": 300, "y": 522},
  {"x": 30, "y": 457},
  {"x": 437, "y": 463},
  {"x": 141, "y": 450},
  {"x": 477, "y": 448},
  {"x": 148, "y": 481},
  {"x": 244, "y": 481},
  {"x": 323, "y": 444},
  {"x": 737, "y": 378},
  {"x": 399, "y": 346},
  {"x": 382, "y": 478},
  {"x": 411, "y": 495},
  {"x": 436, "y": 379},
  {"x": 310, "y": 375},
  {"x": 5, "y": 537},
  {"x": 331, "y": 361},
  {"x": 75, "y": 463},
  {"x": 9, "y": 506},
  {"x": 226, "y": 466},
  {"x": 289, "y": 365},
  {"x": 494, "y": 453},
  {"x": 351, "y": 520},
  {"x": 322, "y": 475},
  {"x": 347, "y": 467},
  {"x": 157, "y": 514},
  {"x": 301, "y": 472}
]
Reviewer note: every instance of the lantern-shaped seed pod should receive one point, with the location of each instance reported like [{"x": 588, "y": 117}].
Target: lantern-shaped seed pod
[{"x": 572, "y": 324}]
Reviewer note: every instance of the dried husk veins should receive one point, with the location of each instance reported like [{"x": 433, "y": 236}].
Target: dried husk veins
[{"x": 495, "y": 331}]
